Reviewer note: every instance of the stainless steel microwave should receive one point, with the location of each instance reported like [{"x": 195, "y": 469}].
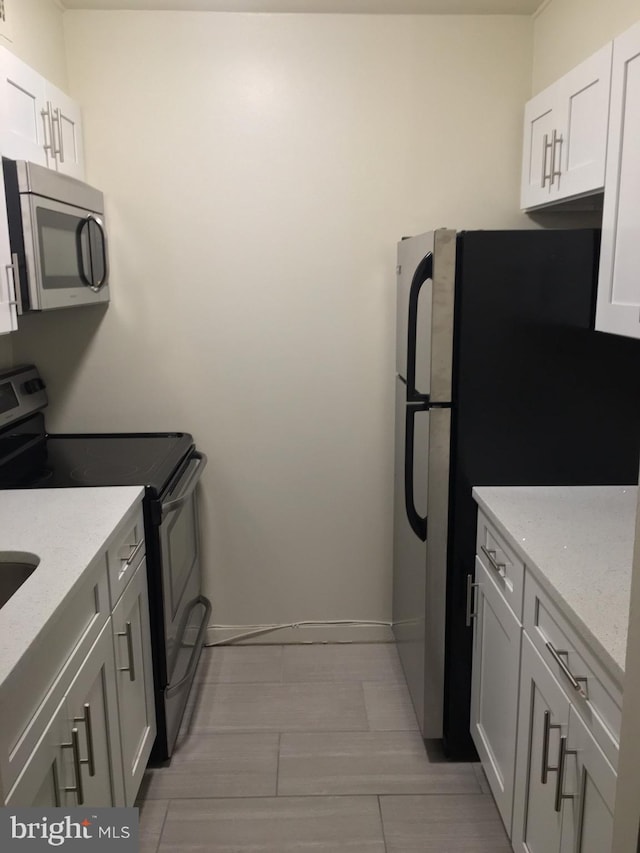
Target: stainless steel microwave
[{"x": 58, "y": 238}]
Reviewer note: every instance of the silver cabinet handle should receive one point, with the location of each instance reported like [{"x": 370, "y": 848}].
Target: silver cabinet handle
[
  {"x": 14, "y": 283},
  {"x": 575, "y": 681},
  {"x": 470, "y": 615},
  {"x": 500, "y": 568},
  {"x": 134, "y": 550},
  {"x": 131, "y": 669},
  {"x": 74, "y": 746},
  {"x": 47, "y": 121},
  {"x": 57, "y": 118},
  {"x": 562, "y": 760},
  {"x": 546, "y": 731},
  {"x": 556, "y": 141},
  {"x": 546, "y": 145},
  {"x": 90, "y": 760}
]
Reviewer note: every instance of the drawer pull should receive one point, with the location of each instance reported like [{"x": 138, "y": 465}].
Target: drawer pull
[
  {"x": 562, "y": 760},
  {"x": 546, "y": 731},
  {"x": 500, "y": 568},
  {"x": 90, "y": 760},
  {"x": 134, "y": 550},
  {"x": 74, "y": 746},
  {"x": 579, "y": 683},
  {"x": 470, "y": 615},
  {"x": 131, "y": 669}
]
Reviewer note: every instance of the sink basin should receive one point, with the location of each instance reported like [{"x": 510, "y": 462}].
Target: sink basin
[{"x": 15, "y": 568}]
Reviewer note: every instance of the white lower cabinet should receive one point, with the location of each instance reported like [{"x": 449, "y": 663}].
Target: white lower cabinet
[
  {"x": 88, "y": 739},
  {"x": 77, "y": 761},
  {"x": 544, "y": 713},
  {"x": 130, "y": 622},
  {"x": 565, "y": 788},
  {"x": 494, "y": 689},
  {"x": 544, "y": 716}
]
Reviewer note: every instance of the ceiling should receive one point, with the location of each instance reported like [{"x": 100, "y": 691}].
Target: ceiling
[{"x": 424, "y": 7}]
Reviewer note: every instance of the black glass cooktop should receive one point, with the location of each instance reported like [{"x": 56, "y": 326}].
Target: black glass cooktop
[{"x": 125, "y": 459}]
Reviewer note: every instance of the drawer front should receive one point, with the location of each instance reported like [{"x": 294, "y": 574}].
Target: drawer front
[
  {"x": 590, "y": 689},
  {"x": 501, "y": 563},
  {"x": 36, "y": 686},
  {"x": 125, "y": 553}
]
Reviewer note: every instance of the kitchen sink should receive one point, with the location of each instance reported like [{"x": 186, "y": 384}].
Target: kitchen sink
[{"x": 15, "y": 568}]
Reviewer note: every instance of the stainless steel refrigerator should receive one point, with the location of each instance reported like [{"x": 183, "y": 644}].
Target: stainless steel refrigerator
[{"x": 500, "y": 380}]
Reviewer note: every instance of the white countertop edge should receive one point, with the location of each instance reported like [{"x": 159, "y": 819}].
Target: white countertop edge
[
  {"x": 33, "y": 618},
  {"x": 605, "y": 659}
]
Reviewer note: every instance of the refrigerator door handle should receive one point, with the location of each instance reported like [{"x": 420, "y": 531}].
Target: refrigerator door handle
[
  {"x": 424, "y": 272},
  {"x": 417, "y": 522}
]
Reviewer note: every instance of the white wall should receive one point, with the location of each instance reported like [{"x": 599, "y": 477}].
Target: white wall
[
  {"x": 259, "y": 171},
  {"x": 37, "y": 37},
  {"x": 568, "y": 31}
]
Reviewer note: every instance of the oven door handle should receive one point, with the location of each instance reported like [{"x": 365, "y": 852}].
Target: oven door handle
[
  {"x": 200, "y": 460},
  {"x": 172, "y": 689}
]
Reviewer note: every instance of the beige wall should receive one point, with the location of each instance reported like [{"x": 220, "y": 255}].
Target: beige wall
[
  {"x": 259, "y": 170},
  {"x": 568, "y": 31}
]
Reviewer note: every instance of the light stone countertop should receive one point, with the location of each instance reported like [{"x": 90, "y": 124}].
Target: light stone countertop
[
  {"x": 66, "y": 529},
  {"x": 578, "y": 543}
]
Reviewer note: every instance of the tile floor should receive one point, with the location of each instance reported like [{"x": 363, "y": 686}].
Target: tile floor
[{"x": 310, "y": 748}]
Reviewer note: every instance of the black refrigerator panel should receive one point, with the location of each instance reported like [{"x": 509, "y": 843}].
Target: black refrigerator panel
[{"x": 539, "y": 399}]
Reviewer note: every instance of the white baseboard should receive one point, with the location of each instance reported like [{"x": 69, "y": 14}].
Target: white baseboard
[{"x": 302, "y": 634}]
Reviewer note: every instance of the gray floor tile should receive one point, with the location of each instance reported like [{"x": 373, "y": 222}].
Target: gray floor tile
[
  {"x": 279, "y": 708},
  {"x": 218, "y": 765},
  {"x": 221, "y": 664},
  {"x": 152, "y": 816},
  {"x": 366, "y": 763},
  {"x": 389, "y": 707},
  {"x": 274, "y": 825},
  {"x": 443, "y": 824},
  {"x": 482, "y": 779},
  {"x": 343, "y": 662}
]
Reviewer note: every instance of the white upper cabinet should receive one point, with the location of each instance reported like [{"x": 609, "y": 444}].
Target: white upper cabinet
[
  {"x": 38, "y": 122},
  {"x": 565, "y": 135},
  {"x": 618, "y": 305}
]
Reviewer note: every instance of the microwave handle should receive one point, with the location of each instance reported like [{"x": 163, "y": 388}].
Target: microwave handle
[
  {"x": 105, "y": 260},
  {"x": 89, "y": 282}
]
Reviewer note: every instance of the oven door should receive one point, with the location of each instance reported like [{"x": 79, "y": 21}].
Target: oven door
[
  {"x": 65, "y": 251},
  {"x": 186, "y": 611}
]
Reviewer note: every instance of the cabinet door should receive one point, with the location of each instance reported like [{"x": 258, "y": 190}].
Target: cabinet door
[
  {"x": 67, "y": 133},
  {"x": 93, "y": 710},
  {"x": 134, "y": 679},
  {"x": 542, "y": 116},
  {"x": 24, "y": 130},
  {"x": 618, "y": 304},
  {"x": 581, "y": 141},
  {"x": 590, "y": 781},
  {"x": 494, "y": 690},
  {"x": 43, "y": 778},
  {"x": 543, "y": 718}
]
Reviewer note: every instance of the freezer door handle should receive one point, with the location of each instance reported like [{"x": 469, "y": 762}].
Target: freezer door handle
[
  {"x": 417, "y": 522},
  {"x": 424, "y": 272}
]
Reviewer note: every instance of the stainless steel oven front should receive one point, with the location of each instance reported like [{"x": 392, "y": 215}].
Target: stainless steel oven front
[
  {"x": 185, "y": 611},
  {"x": 58, "y": 238}
]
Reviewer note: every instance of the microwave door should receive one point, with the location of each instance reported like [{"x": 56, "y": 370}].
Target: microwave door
[{"x": 61, "y": 266}]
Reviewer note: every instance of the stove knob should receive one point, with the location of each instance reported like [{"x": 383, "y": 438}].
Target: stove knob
[{"x": 33, "y": 386}]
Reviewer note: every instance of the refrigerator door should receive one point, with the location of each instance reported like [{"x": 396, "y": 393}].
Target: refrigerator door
[
  {"x": 409, "y": 550},
  {"x": 420, "y": 553},
  {"x": 413, "y": 314},
  {"x": 424, "y": 320}
]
